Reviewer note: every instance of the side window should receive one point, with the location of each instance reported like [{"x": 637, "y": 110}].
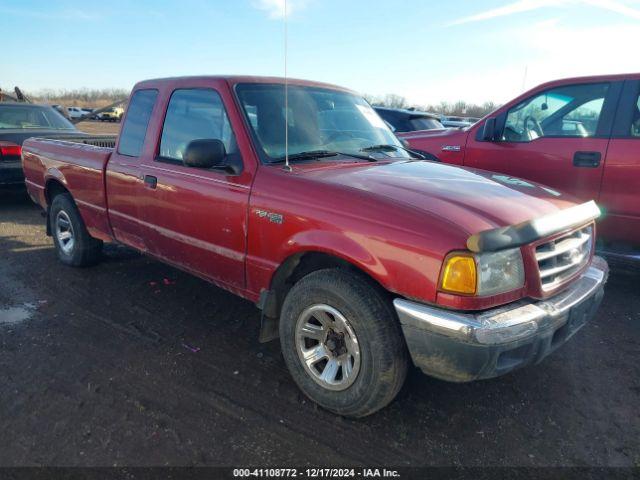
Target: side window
[
  {"x": 568, "y": 111},
  {"x": 194, "y": 114},
  {"x": 635, "y": 122},
  {"x": 406, "y": 126},
  {"x": 386, "y": 116},
  {"x": 390, "y": 120},
  {"x": 135, "y": 126}
]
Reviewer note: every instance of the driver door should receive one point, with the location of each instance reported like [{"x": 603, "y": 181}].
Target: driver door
[
  {"x": 557, "y": 137},
  {"x": 196, "y": 218}
]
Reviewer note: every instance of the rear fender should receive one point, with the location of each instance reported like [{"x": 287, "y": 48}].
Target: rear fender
[
  {"x": 94, "y": 217},
  {"x": 50, "y": 176},
  {"x": 53, "y": 178}
]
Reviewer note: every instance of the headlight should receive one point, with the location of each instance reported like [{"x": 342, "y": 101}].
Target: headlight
[
  {"x": 483, "y": 274},
  {"x": 500, "y": 272}
]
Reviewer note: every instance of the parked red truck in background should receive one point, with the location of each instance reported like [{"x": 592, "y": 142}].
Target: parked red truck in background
[
  {"x": 358, "y": 254},
  {"x": 580, "y": 136}
]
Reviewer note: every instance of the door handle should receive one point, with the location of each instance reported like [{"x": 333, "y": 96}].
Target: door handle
[
  {"x": 150, "y": 181},
  {"x": 587, "y": 159}
]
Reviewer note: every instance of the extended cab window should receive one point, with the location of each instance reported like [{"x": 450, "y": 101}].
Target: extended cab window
[
  {"x": 568, "y": 111},
  {"x": 135, "y": 126},
  {"x": 195, "y": 114}
]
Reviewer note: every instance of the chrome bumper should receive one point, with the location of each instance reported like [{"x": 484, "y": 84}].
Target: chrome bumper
[{"x": 460, "y": 347}]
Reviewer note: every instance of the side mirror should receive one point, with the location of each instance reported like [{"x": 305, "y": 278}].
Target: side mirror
[
  {"x": 489, "y": 130},
  {"x": 205, "y": 153}
]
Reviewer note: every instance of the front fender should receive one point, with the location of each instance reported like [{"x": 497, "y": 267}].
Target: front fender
[
  {"x": 336, "y": 244},
  {"x": 397, "y": 267}
]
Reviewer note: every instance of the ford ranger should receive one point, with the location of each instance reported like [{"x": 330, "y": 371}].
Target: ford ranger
[
  {"x": 362, "y": 257},
  {"x": 579, "y": 135}
]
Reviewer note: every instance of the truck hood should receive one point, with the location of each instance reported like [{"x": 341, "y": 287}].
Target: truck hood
[{"x": 473, "y": 200}]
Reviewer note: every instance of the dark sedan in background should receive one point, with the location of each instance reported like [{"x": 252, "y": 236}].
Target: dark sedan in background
[
  {"x": 19, "y": 121},
  {"x": 403, "y": 120}
]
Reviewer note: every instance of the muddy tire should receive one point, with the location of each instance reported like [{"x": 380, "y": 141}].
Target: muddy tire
[
  {"x": 342, "y": 342},
  {"x": 74, "y": 245}
]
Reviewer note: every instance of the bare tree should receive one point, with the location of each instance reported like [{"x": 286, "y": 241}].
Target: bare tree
[
  {"x": 395, "y": 101},
  {"x": 80, "y": 97},
  {"x": 390, "y": 100},
  {"x": 459, "y": 108}
]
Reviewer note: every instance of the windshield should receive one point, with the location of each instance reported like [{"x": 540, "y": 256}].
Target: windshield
[
  {"x": 32, "y": 116},
  {"x": 318, "y": 120}
]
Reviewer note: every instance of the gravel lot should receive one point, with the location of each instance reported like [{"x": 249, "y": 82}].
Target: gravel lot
[
  {"x": 96, "y": 127},
  {"x": 135, "y": 363}
]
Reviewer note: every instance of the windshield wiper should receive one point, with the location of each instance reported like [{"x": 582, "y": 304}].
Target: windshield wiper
[
  {"x": 312, "y": 154},
  {"x": 392, "y": 148}
]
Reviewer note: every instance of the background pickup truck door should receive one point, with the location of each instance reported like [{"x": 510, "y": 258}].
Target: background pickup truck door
[
  {"x": 557, "y": 137},
  {"x": 620, "y": 195},
  {"x": 123, "y": 175},
  {"x": 196, "y": 218}
]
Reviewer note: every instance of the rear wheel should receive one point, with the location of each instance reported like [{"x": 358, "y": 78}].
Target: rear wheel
[
  {"x": 73, "y": 243},
  {"x": 342, "y": 343}
]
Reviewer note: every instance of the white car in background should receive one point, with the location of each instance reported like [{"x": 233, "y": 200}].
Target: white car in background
[
  {"x": 75, "y": 112},
  {"x": 454, "y": 122}
]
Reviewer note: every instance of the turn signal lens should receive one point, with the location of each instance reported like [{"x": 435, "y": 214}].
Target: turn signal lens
[{"x": 459, "y": 275}]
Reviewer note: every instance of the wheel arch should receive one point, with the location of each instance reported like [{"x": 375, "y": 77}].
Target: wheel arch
[
  {"x": 53, "y": 187},
  {"x": 298, "y": 265}
]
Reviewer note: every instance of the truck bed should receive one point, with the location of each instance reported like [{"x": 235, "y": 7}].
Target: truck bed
[{"x": 77, "y": 165}]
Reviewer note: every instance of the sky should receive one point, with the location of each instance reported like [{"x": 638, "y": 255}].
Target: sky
[{"x": 425, "y": 50}]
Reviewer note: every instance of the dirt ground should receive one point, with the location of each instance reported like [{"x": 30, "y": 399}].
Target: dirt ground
[
  {"x": 96, "y": 127},
  {"x": 132, "y": 362}
]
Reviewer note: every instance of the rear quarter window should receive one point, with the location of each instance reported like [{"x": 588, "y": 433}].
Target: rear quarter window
[{"x": 134, "y": 129}]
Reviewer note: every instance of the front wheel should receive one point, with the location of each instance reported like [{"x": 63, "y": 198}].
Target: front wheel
[
  {"x": 342, "y": 343},
  {"x": 73, "y": 243}
]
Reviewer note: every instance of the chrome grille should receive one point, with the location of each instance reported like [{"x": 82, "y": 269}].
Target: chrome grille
[{"x": 564, "y": 256}]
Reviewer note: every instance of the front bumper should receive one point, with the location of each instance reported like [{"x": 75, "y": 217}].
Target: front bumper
[
  {"x": 462, "y": 347},
  {"x": 11, "y": 173}
]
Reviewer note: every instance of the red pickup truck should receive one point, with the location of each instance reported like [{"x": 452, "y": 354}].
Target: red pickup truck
[
  {"x": 359, "y": 255},
  {"x": 578, "y": 135}
]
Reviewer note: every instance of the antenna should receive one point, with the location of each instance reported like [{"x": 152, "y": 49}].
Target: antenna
[{"x": 286, "y": 95}]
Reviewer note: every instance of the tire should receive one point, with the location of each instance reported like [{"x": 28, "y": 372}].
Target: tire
[
  {"x": 375, "y": 368},
  {"x": 74, "y": 245}
]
